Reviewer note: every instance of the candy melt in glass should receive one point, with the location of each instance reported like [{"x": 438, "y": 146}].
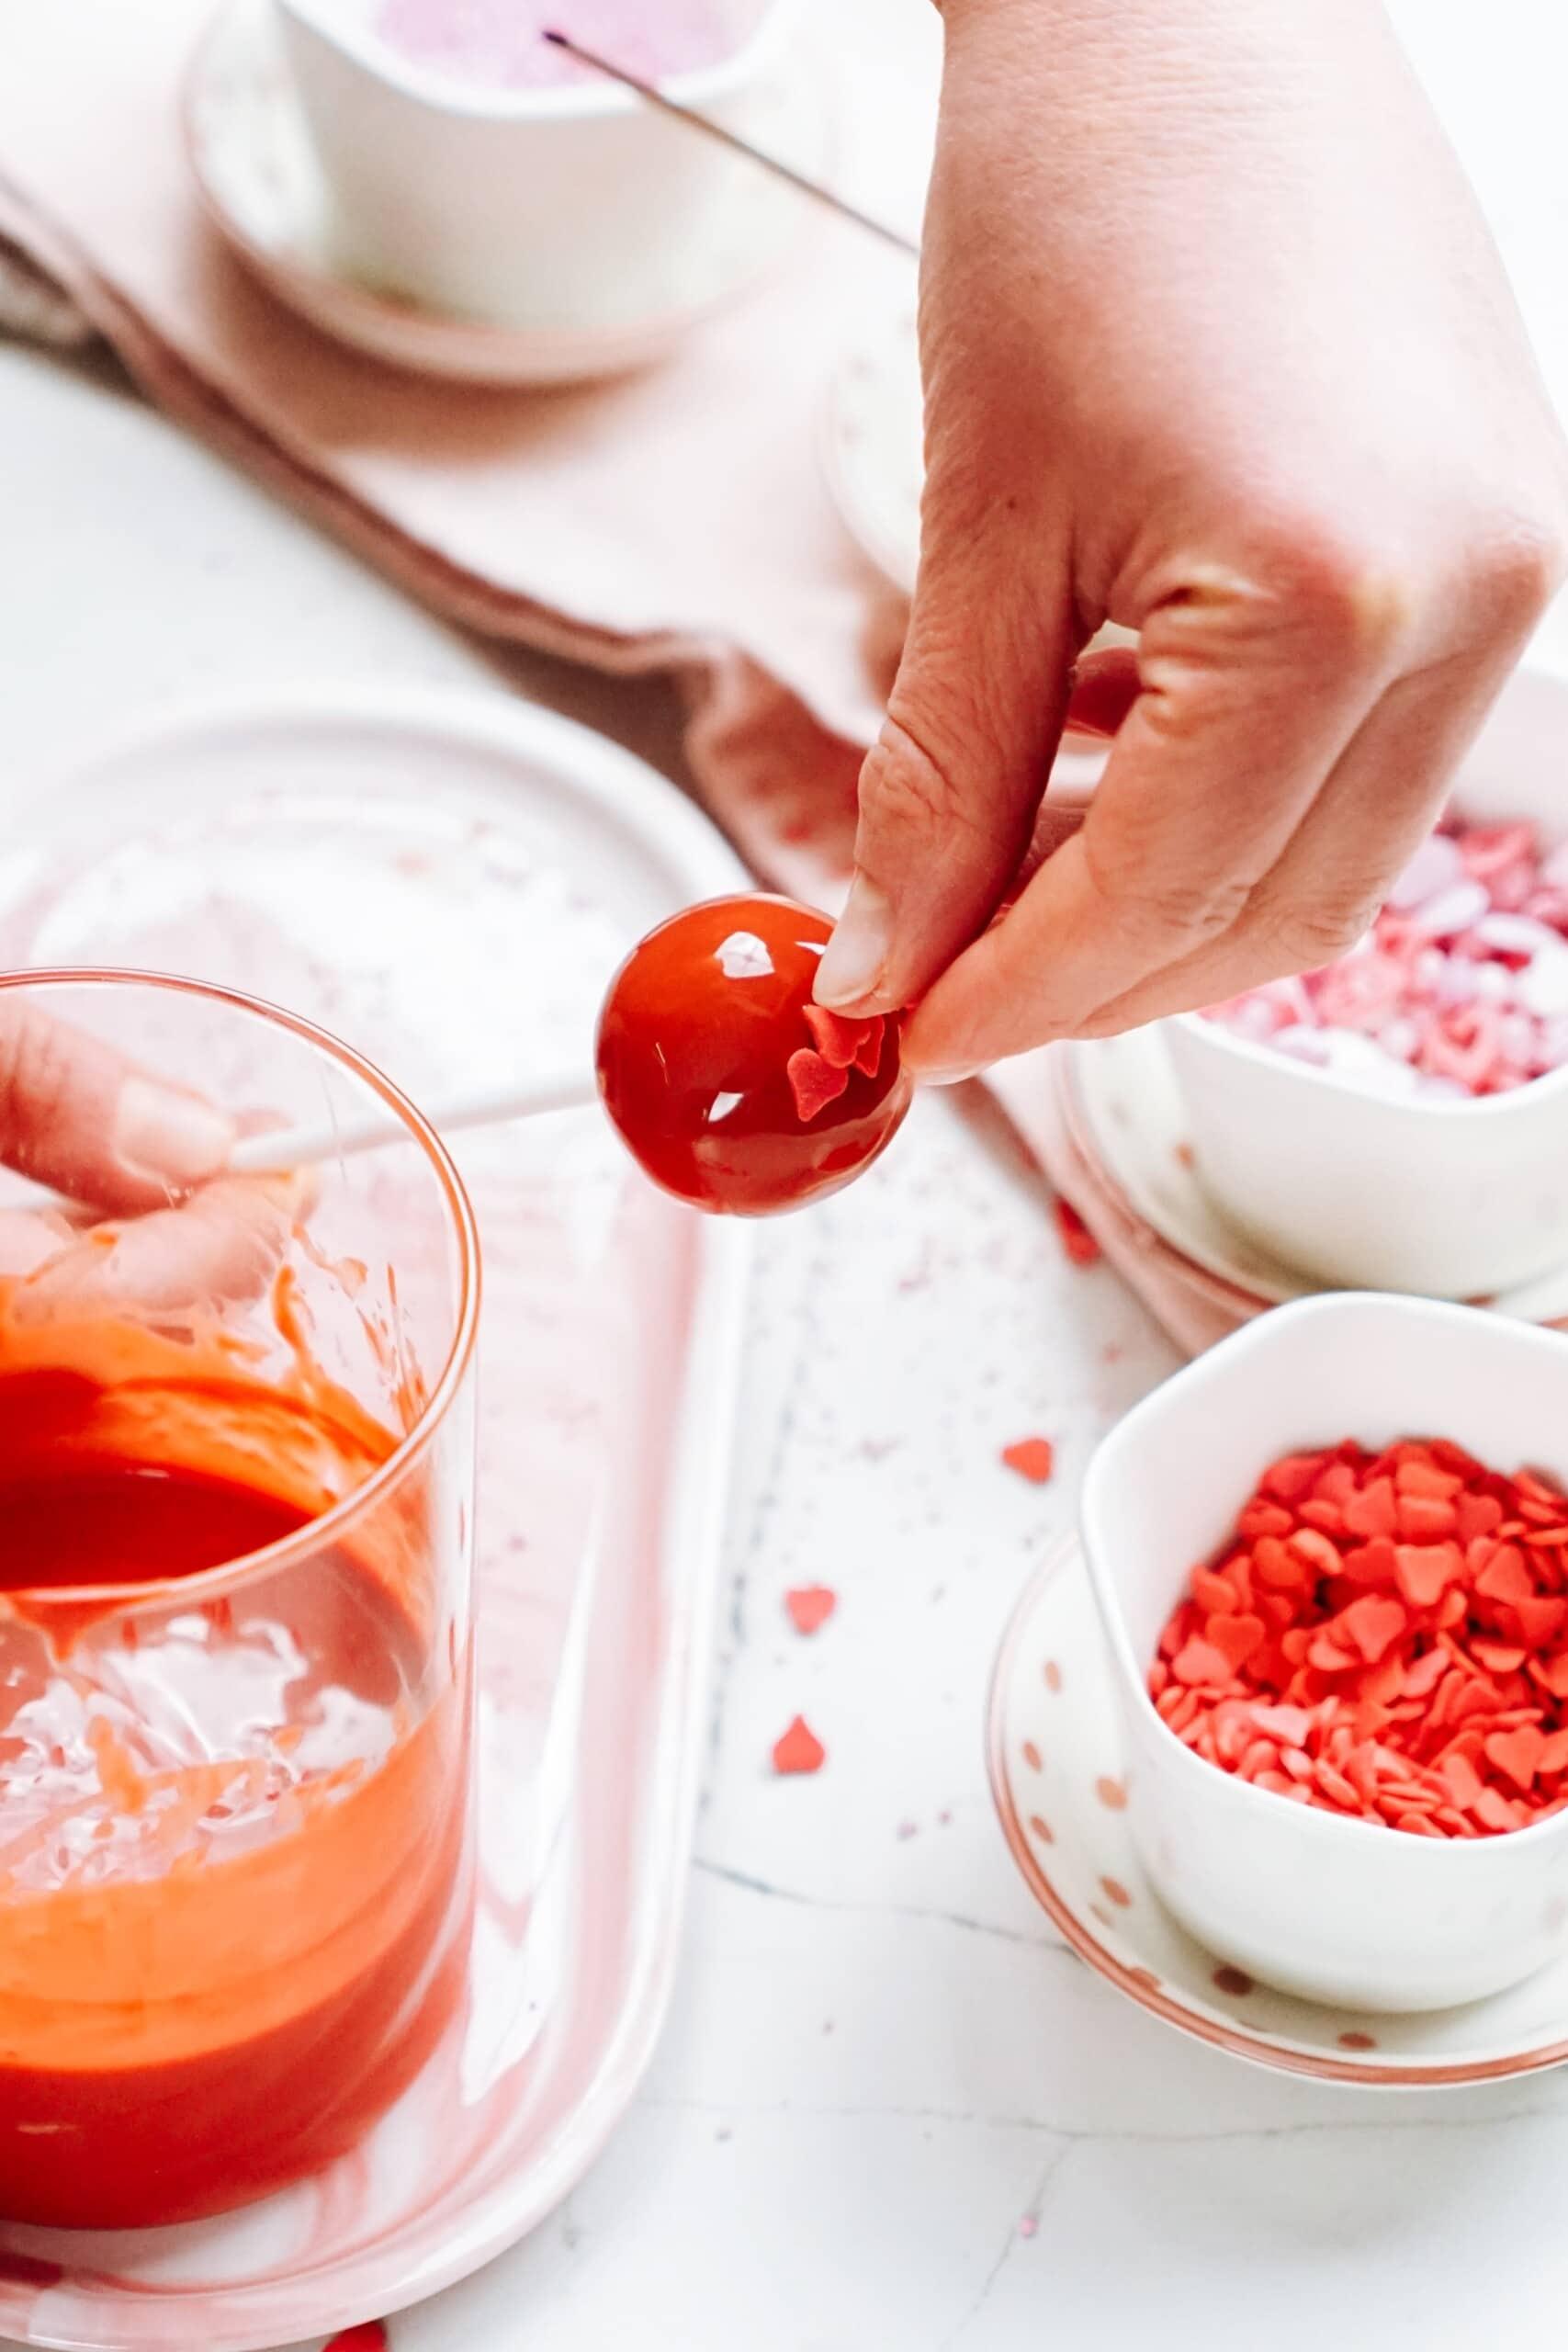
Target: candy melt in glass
[
  {"x": 1458, "y": 989},
  {"x": 730, "y": 1086},
  {"x": 236, "y": 1486}
]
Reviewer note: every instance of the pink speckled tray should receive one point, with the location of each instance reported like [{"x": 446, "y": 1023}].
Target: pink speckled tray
[{"x": 447, "y": 881}]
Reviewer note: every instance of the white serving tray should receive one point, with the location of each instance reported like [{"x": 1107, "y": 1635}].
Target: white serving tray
[{"x": 447, "y": 879}]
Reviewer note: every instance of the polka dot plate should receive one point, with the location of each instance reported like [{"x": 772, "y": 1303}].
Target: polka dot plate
[{"x": 1059, "y": 1777}]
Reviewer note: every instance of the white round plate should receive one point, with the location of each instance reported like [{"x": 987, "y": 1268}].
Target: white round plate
[
  {"x": 1124, "y": 1098},
  {"x": 871, "y": 447},
  {"x": 266, "y": 196},
  {"x": 1058, "y": 1771}
]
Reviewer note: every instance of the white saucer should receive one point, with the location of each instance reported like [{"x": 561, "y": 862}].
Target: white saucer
[
  {"x": 266, "y": 193},
  {"x": 872, "y": 450},
  {"x": 1125, "y": 1100},
  {"x": 1057, "y": 1767}
]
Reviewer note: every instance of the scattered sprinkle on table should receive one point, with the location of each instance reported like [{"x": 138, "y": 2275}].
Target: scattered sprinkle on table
[
  {"x": 799, "y": 1749},
  {"x": 810, "y": 1606},
  {"x": 1076, "y": 1240},
  {"x": 1033, "y": 1458}
]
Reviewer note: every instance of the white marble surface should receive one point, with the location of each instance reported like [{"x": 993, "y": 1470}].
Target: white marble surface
[{"x": 880, "y": 2062}]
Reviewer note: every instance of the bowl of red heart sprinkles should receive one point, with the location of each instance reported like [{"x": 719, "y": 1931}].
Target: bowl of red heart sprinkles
[
  {"x": 1331, "y": 1559},
  {"x": 1399, "y": 1117}
]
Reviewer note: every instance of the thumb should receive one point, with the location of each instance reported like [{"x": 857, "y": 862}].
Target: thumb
[
  {"x": 949, "y": 791},
  {"x": 75, "y": 1116}
]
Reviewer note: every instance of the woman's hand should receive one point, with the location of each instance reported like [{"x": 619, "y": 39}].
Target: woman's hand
[
  {"x": 78, "y": 1118},
  {"x": 1216, "y": 347}
]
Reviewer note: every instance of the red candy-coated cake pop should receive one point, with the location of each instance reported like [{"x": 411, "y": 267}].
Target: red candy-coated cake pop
[{"x": 730, "y": 1088}]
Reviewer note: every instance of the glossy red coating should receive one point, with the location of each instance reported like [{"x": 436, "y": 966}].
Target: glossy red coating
[{"x": 700, "y": 1028}]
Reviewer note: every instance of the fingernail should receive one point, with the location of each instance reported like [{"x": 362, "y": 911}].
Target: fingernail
[
  {"x": 164, "y": 1137},
  {"x": 853, "y": 961}
]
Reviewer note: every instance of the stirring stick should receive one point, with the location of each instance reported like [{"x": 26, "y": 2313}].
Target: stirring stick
[
  {"x": 281, "y": 1149},
  {"x": 655, "y": 97}
]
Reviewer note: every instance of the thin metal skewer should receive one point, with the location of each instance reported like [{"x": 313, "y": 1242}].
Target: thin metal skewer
[{"x": 655, "y": 97}]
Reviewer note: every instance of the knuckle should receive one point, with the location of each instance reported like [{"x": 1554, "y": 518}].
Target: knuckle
[
  {"x": 1192, "y": 909},
  {"x": 1355, "y": 601},
  {"x": 906, "y": 786},
  {"x": 1315, "y": 934},
  {"x": 1514, "y": 566}
]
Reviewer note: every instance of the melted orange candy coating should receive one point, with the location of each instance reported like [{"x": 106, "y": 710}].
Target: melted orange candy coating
[{"x": 234, "y": 1885}]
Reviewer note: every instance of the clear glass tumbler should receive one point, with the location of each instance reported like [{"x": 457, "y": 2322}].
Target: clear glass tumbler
[{"x": 236, "y": 1486}]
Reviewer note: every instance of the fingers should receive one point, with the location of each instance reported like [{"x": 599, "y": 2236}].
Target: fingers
[
  {"x": 224, "y": 1244},
  {"x": 1104, "y": 687},
  {"x": 1249, "y": 698},
  {"x": 1382, "y": 799},
  {"x": 948, "y": 792},
  {"x": 75, "y": 1116}
]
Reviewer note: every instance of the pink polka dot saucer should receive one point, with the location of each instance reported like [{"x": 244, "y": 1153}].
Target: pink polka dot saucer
[{"x": 1057, "y": 1775}]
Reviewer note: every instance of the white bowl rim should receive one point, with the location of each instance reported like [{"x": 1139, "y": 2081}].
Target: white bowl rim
[
  {"x": 589, "y": 101},
  {"x": 1549, "y": 1084},
  {"x": 1253, "y": 1337}
]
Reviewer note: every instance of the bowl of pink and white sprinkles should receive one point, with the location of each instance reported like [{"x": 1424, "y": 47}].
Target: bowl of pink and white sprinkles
[{"x": 1399, "y": 1119}]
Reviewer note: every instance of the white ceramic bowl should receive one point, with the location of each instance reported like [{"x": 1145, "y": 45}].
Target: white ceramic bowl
[
  {"x": 1454, "y": 1199},
  {"x": 1335, "y": 1909},
  {"x": 492, "y": 204}
]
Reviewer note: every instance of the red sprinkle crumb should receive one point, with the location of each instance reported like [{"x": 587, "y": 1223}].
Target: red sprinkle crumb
[
  {"x": 1076, "y": 1240},
  {"x": 799, "y": 1750},
  {"x": 1033, "y": 1458},
  {"x": 810, "y": 1606},
  {"x": 847, "y": 1045},
  {"x": 369, "y": 2336},
  {"x": 815, "y": 1083},
  {"x": 1384, "y": 1637}
]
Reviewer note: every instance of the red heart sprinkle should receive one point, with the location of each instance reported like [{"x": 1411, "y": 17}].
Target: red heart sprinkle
[
  {"x": 1236, "y": 1638},
  {"x": 799, "y": 1749},
  {"x": 1372, "y": 1624},
  {"x": 839, "y": 1040},
  {"x": 1421, "y": 1570},
  {"x": 810, "y": 1605},
  {"x": 1515, "y": 1753},
  {"x": 1033, "y": 1458},
  {"x": 814, "y": 1084},
  {"x": 868, "y": 1053},
  {"x": 1197, "y": 1661}
]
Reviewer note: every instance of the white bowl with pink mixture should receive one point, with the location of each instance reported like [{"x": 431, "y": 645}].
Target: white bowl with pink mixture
[
  {"x": 481, "y": 173},
  {"x": 1400, "y": 1121}
]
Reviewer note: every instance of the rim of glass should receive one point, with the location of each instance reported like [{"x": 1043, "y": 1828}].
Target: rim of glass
[{"x": 289, "y": 1549}]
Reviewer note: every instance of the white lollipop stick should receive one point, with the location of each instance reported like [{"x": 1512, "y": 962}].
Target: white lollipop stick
[{"x": 281, "y": 1149}]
